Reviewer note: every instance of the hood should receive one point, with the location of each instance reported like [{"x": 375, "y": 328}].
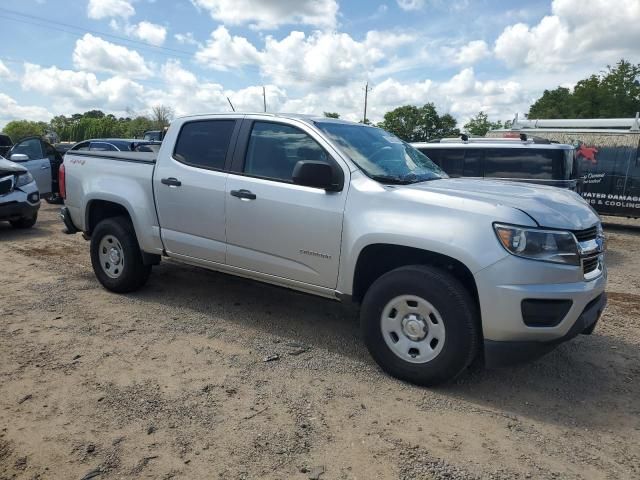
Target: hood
[
  {"x": 10, "y": 168},
  {"x": 550, "y": 207}
]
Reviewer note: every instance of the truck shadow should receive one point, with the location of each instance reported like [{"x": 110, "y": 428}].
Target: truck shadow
[
  {"x": 590, "y": 381},
  {"x": 41, "y": 229}
]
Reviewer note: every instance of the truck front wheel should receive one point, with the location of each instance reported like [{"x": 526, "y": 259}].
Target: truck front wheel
[
  {"x": 116, "y": 257},
  {"x": 420, "y": 324}
]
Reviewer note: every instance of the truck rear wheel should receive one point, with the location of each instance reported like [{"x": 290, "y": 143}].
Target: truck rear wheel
[
  {"x": 116, "y": 257},
  {"x": 420, "y": 325}
]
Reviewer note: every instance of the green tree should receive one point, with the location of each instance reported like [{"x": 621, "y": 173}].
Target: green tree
[
  {"x": 480, "y": 124},
  {"x": 613, "y": 93},
  {"x": 161, "y": 115},
  {"x": 416, "y": 124},
  {"x": 331, "y": 115},
  {"x": 19, "y": 129}
]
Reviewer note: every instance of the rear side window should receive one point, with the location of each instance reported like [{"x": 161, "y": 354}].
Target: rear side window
[
  {"x": 102, "y": 147},
  {"x": 205, "y": 143},
  {"x": 544, "y": 164},
  {"x": 81, "y": 146}
]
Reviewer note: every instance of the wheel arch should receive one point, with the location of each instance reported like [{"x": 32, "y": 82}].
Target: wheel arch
[{"x": 376, "y": 259}]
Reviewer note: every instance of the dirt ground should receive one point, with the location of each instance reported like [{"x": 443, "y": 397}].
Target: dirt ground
[{"x": 172, "y": 382}]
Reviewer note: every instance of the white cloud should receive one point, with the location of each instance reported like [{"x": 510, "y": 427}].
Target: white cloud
[
  {"x": 578, "y": 31},
  {"x": 411, "y": 4},
  {"x": 10, "y": 109},
  {"x": 73, "y": 90},
  {"x": 98, "y": 9},
  {"x": 4, "y": 71},
  {"x": 97, "y": 55},
  {"x": 269, "y": 14},
  {"x": 472, "y": 52},
  {"x": 321, "y": 58},
  {"x": 148, "y": 32},
  {"x": 187, "y": 39},
  {"x": 223, "y": 51}
]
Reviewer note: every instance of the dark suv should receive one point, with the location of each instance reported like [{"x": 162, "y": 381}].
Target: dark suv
[{"x": 520, "y": 160}]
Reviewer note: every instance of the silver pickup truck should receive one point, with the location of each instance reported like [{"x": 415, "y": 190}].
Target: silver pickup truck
[{"x": 446, "y": 270}]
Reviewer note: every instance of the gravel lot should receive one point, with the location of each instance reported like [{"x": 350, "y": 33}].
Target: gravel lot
[{"x": 172, "y": 382}]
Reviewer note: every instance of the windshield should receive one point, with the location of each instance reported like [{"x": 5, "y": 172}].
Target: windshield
[{"x": 381, "y": 155}]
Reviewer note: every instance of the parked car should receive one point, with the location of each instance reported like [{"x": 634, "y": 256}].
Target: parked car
[
  {"x": 608, "y": 155},
  {"x": 19, "y": 197},
  {"x": 445, "y": 269},
  {"x": 154, "y": 135},
  {"x": 515, "y": 159},
  {"x": 5, "y": 144},
  {"x": 43, "y": 161},
  {"x": 112, "y": 145}
]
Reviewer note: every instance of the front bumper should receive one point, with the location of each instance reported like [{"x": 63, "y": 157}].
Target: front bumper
[
  {"x": 19, "y": 204},
  {"x": 504, "y": 353},
  {"x": 504, "y": 286}
]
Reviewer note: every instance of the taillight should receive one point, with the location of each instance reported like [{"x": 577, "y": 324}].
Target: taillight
[{"x": 62, "y": 186}]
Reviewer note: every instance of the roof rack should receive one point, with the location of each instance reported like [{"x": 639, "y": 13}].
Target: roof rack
[{"x": 631, "y": 124}]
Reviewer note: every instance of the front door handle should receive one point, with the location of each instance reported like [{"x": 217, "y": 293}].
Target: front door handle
[
  {"x": 243, "y": 194},
  {"x": 45, "y": 167},
  {"x": 171, "y": 181}
]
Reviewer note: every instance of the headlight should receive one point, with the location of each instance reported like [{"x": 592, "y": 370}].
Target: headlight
[
  {"x": 24, "y": 179},
  {"x": 545, "y": 245}
]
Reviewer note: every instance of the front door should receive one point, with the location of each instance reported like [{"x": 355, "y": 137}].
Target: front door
[
  {"x": 37, "y": 162},
  {"x": 189, "y": 187},
  {"x": 275, "y": 227}
]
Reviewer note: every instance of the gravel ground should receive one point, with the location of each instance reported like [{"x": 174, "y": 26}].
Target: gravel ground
[{"x": 203, "y": 375}]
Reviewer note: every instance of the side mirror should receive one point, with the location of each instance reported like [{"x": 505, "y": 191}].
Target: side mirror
[
  {"x": 19, "y": 157},
  {"x": 312, "y": 173}
]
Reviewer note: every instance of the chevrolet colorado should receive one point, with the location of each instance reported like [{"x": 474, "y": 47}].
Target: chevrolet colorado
[{"x": 446, "y": 270}]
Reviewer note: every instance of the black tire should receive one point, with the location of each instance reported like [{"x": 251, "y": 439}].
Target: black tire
[
  {"x": 54, "y": 199},
  {"x": 134, "y": 272},
  {"x": 24, "y": 222},
  {"x": 455, "y": 306}
]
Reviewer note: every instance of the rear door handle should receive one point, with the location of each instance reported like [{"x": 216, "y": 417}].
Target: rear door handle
[
  {"x": 243, "y": 194},
  {"x": 171, "y": 181},
  {"x": 45, "y": 167}
]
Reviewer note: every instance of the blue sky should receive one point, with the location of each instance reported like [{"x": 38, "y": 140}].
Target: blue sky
[{"x": 124, "y": 56}]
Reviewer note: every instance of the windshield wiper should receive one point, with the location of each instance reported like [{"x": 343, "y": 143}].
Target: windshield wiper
[
  {"x": 401, "y": 179},
  {"x": 393, "y": 179}
]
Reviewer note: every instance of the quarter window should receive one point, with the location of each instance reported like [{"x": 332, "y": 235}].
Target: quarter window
[
  {"x": 274, "y": 149},
  {"x": 102, "y": 147},
  {"x": 205, "y": 143}
]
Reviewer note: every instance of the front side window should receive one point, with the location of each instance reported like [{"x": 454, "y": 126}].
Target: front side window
[
  {"x": 274, "y": 149},
  {"x": 204, "y": 144},
  {"x": 31, "y": 148},
  {"x": 381, "y": 155}
]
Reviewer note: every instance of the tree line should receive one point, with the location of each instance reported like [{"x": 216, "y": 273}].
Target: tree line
[
  {"x": 91, "y": 124},
  {"x": 612, "y": 93}
]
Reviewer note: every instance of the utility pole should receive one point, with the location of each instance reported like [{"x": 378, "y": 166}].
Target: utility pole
[
  {"x": 264, "y": 99},
  {"x": 366, "y": 95}
]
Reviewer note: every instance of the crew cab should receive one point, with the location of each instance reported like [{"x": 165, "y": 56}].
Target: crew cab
[{"x": 445, "y": 270}]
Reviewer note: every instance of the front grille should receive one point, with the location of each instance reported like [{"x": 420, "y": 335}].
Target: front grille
[
  {"x": 589, "y": 264},
  {"x": 586, "y": 234},
  {"x": 6, "y": 185}
]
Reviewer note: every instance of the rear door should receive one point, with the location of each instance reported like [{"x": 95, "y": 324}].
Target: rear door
[
  {"x": 38, "y": 163},
  {"x": 275, "y": 227},
  {"x": 189, "y": 186}
]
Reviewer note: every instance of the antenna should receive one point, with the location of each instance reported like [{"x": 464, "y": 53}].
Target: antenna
[{"x": 231, "y": 104}]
